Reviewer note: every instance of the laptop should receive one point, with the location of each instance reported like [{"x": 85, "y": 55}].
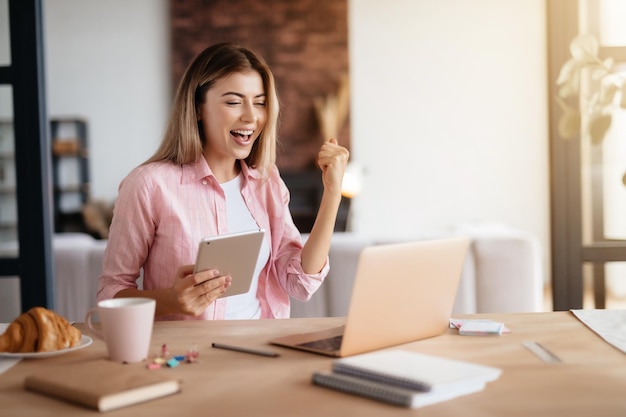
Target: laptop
[{"x": 402, "y": 292}]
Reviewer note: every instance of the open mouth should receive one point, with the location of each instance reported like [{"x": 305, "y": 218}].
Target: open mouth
[{"x": 243, "y": 135}]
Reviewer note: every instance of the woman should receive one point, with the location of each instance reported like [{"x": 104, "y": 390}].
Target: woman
[{"x": 215, "y": 173}]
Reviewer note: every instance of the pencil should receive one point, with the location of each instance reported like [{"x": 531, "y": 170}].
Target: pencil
[{"x": 245, "y": 350}]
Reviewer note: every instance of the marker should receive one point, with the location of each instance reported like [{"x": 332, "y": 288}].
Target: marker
[{"x": 245, "y": 350}]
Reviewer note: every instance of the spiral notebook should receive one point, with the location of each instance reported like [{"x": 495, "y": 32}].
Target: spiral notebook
[
  {"x": 387, "y": 393},
  {"x": 406, "y": 378},
  {"x": 416, "y": 371}
]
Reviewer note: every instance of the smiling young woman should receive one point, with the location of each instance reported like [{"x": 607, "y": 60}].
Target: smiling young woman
[{"x": 215, "y": 173}]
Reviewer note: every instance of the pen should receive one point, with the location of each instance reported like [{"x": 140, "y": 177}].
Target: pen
[{"x": 245, "y": 350}]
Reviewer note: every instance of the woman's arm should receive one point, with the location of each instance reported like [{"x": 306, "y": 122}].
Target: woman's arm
[
  {"x": 131, "y": 239},
  {"x": 332, "y": 160},
  {"x": 191, "y": 293}
]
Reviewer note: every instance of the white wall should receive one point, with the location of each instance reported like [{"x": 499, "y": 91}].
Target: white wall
[
  {"x": 108, "y": 61},
  {"x": 449, "y": 114},
  {"x": 449, "y": 107}
]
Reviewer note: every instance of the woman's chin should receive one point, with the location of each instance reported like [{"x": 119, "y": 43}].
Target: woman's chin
[{"x": 242, "y": 154}]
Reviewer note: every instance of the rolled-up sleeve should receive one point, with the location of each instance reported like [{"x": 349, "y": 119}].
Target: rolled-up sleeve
[
  {"x": 129, "y": 238},
  {"x": 285, "y": 276}
]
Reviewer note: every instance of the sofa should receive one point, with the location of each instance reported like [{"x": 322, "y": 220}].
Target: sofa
[{"x": 502, "y": 273}]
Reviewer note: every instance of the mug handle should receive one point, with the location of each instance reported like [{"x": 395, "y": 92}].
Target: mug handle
[{"x": 97, "y": 333}]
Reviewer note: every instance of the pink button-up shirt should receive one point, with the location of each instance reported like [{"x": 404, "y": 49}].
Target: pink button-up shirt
[{"x": 163, "y": 211}]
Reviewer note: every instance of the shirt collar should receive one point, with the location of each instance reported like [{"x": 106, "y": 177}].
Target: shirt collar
[{"x": 197, "y": 171}]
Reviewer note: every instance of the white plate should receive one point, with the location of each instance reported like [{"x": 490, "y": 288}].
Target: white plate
[{"x": 84, "y": 342}]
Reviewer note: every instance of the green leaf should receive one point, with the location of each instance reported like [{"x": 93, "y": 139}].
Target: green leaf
[
  {"x": 569, "y": 122},
  {"x": 584, "y": 49},
  {"x": 598, "y": 126},
  {"x": 567, "y": 90},
  {"x": 567, "y": 71},
  {"x": 599, "y": 72},
  {"x": 607, "y": 94},
  {"x": 569, "y": 126},
  {"x": 571, "y": 84}
]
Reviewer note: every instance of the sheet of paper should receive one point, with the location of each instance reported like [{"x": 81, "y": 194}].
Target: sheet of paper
[
  {"x": 6, "y": 363},
  {"x": 608, "y": 324}
]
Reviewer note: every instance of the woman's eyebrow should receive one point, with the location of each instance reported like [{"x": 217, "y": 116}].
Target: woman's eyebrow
[{"x": 232, "y": 93}]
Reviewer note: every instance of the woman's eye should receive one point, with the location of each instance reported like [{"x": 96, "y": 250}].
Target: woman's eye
[
  {"x": 232, "y": 103},
  {"x": 260, "y": 103}
]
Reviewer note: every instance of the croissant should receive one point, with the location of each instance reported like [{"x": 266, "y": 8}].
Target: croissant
[{"x": 39, "y": 330}]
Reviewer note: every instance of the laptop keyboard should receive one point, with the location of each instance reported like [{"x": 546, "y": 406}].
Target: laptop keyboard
[{"x": 330, "y": 344}]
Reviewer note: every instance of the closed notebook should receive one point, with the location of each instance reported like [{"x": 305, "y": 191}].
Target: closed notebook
[
  {"x": 416, "y": 371},
  {"x": 388, "y": 393},
  {"x": 102, "y": 384}
]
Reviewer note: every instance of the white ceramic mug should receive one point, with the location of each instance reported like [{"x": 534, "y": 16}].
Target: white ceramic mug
[{"x": 126, "y": 327}]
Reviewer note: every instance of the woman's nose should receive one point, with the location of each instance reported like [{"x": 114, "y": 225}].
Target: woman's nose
[{"x": 249, "y": 113}]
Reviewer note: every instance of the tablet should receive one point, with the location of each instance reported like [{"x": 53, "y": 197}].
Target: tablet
[{"x": 233, "y": 254}]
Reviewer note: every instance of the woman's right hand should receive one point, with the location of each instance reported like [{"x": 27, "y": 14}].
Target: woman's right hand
[{"x": 193, "y": 293}]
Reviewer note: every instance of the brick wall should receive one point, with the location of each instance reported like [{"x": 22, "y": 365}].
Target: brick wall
[{"x": 305, "y": 42}]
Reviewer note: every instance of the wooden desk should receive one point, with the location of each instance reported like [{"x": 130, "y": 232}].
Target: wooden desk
[{"x": 591, "y": 381}]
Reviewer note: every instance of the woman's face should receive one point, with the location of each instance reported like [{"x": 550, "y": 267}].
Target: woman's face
[{"x": 232, "y": 116}]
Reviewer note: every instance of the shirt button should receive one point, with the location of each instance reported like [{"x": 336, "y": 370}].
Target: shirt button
[
  {"x": 203, "y": 182},
  {"x": 249, "y": 200}
]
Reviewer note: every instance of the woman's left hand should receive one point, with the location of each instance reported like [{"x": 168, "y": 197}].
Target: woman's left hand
[{"x": 332, "y": 159}]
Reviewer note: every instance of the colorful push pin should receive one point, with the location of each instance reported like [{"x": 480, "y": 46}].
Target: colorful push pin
[
  {"x": 153, "y": 366},
  {"x": 160, "y": 361},
  {"x": 164, "y": 352},
  {"x": 172, "y": 363},
  {"x": 192, "y": 354}
]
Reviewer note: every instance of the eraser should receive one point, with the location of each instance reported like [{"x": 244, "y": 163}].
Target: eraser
[{"x": 481, "y": 328}]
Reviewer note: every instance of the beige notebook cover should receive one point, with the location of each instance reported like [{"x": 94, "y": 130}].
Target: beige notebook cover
[{"x": 102, "y": 384}]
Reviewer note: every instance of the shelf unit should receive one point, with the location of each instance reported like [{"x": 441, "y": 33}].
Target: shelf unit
[
  {"x": 70, "y": 172},
  {"x": 8, "y": 188},
  {"x": 70, "y": 176}
]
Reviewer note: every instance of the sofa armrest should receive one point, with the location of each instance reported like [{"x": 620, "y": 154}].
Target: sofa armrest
[{"x": 508, "y": 274}]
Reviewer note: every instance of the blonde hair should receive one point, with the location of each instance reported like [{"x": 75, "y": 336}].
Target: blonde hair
[{"x": 183, "y": 142}]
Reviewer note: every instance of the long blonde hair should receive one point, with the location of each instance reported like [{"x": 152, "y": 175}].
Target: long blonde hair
[{"x": 183, "y": 142}]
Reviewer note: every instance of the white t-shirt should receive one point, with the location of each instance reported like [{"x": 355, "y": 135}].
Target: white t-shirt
[{"x": 243, "y": 306}]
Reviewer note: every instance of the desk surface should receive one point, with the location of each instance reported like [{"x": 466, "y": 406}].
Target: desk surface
[{"x": 591, "y": 380}]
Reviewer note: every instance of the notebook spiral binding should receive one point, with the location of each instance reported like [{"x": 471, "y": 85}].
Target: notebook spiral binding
[
  {"x": 381, "y": 377},
  {"x": 365, "y": 388}
]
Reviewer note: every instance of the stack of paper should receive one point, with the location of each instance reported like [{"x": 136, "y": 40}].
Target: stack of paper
[{"x": 405, "y": 378}]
